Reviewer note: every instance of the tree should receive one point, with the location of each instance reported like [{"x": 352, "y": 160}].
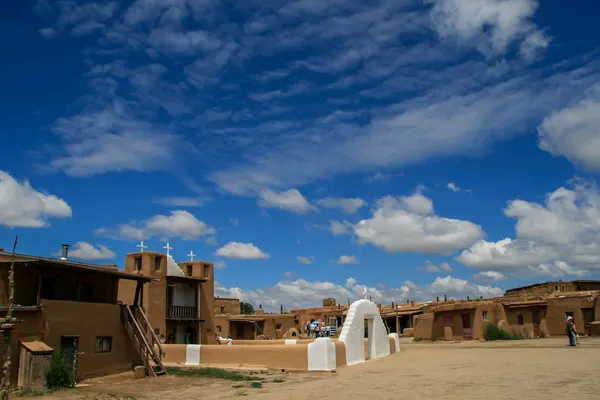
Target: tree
[{"x": 246, "y": 308}]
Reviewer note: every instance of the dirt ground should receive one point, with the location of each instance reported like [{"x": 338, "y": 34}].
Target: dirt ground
[{"x": 532, "y": 369}]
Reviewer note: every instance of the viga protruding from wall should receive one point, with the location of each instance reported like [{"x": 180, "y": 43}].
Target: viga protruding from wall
[{"x": 353, "y": 333}]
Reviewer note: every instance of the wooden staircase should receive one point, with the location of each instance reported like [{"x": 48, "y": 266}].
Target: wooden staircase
[{"x": 144, "y": 339}]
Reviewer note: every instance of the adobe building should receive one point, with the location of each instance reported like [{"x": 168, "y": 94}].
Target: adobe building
[
  {"x": 538, "y": 310},
  {"x": 399, "y": 317},
  {"x": 230, "y": 322},
  {"x": 330, "y": 313},
  {"x": 179, "y": 301},
  {"x": 70, "y": 306}
]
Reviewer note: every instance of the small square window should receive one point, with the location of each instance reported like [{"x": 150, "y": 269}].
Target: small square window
[
  {"x": 484, "y": 315},
  {"x": 103, "y": 344},
  {"x": 190, "y": 270},
  {"x": 222, "y": 309},
  {"x": 277, "y": 326},
  {"x": 206, "y": 271},
  {"x": 219, "y": 328},
  {"x": 157, "y": 263},
  {"x": 520, "y": 319},
  {"x": 138, "y": 263}
]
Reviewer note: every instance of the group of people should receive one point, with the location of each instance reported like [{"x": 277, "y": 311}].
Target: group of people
[
  {"x": 219, "y": 339},
  {"x": 316, "y": 331}
]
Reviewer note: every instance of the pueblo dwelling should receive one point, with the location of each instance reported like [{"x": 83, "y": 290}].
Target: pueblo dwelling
[
  {"x": 73, "y": 306},
  {"x": 230, "y": 322},
  {"x": 331, "y": 313},
  {"x": 538, "y": 310},
  {"x": 179, "y": 300}
]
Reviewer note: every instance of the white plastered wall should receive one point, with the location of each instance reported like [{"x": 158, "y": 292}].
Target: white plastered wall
[{"x": 353, "y": 332}]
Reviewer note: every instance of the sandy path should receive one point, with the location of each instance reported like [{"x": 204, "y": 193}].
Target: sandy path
[{"x": 536, "y": 369}]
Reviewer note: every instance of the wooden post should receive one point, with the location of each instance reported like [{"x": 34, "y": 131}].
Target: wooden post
[
  {"x": 397, "y": 320},
  {"x": 7, "y": 327},
  {"x": 137, "y": 294},
  {"x": 39, "y": 288}
]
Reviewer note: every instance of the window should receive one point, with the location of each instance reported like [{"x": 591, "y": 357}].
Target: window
[
  {"x": 103, "y": 344},
  {"x": 219, "y": 328},
  {"x": 190, "y": 270},
  {"x": 222, "y": 308},
  {"x": 484, "y": 315},
  {"x": 556, "y": 288},
  {"x": 277, "y": 326},
  {"x": 519, "y": 319},
  {"x": 569, "y": 314},
  {"x": 138, "y": 263},
  {"x": 157, "y": 263},
  {"x": 206, "y": 271}
]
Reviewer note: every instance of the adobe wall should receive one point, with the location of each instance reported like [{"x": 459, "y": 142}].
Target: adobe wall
[
  {"x": 222, "y": 321},
  {"x": 285, "y": 322},
  {"x": 207, "y": 303},
  {"x": 558, "y": 307},
  {"x": 423, "y": 326},
  {"x": 542, "y": 289},
  {"x": 512, "y": 317},
  {"x": 230, "y": 306},
  {"x": 89, "y": 320}
]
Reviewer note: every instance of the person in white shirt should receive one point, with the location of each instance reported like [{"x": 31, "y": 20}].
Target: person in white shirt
[{"x": 229, "y": 340}]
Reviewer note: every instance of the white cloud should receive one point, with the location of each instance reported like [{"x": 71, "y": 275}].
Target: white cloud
[
  {"x": 350, "y": 206},
  {"x": 181, "y": 201},
  {"x": 409, "y": 224},
  {"x": 178, "y": 224},
  {"x": 574, "y": 132},
  {"x": 23, "y": 206},
  {"x": 457, "y": 189},
  {"x": 346, "y": 260},
  {"x": 489, "y": 25},
  {"x": 300, "y": 293},
  {"x": 489, "y": 276},
  {"x": 47, "y": 33},
  {"x": 220, "y": 264},
  {"x": 289, "y": 274},
  {"x": 241, "y": 251},
  {"x": 558, "y": 238},
  {"x": 381, "y": 177},
  {"x": 304, "y": 260},
  {"x": 430, "y": 267},
  {"x": 88, "y": 252},
  {"x": 291, "y": 200}
]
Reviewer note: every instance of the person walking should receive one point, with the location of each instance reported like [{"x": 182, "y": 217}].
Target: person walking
[{"x": 571, "y": 331}]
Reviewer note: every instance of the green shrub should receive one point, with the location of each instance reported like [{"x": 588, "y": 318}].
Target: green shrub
[
  {"x": 60, "y": 372},
  {"x": 492, "y": 332},
  {"x": 417, "y": 339}
]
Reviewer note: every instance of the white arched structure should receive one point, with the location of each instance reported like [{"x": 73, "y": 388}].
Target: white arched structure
[{"x": 353, "y": 332}]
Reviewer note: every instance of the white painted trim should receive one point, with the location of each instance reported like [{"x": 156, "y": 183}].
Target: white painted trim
[
  {"x": 396, "y": 341},
  {"x": 321, "y": 355},
  {"x": 192, "y": 354},
  {"x": 290, "y": 341}
]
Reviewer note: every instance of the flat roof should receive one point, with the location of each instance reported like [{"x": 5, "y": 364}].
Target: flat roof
[{"x": 74, "y": 265}]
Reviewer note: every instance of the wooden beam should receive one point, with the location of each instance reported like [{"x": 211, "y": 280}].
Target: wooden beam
[
  {"x": 142, "y": 295},
  {"x": 137, "y": 293}
]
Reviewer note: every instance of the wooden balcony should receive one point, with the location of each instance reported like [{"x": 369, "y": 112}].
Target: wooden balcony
[{"x": 182, "y": 312}]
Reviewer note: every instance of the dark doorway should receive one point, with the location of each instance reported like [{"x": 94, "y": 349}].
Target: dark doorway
[
  {"x": 191, "y": 335},
  {"x": 170, "y": 295},
  {"x": 69, "y": 345},
  {"x": 588, "y": 318},
  {"x": 466, "y": 325},
  {"x": 535, "y": 318}
]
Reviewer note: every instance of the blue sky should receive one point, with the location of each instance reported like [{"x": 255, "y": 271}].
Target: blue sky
[{"x": 310, "y": 149}]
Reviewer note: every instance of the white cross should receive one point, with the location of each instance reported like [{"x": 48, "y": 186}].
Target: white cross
[
  {"x": 169, "y": 248},
  {"x": 141, "y": 246},
  {"x": 191, "y": 256},
  {"x": 365, "y": 292}
]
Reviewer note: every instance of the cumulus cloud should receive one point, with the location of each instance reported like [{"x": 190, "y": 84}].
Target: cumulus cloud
[
  {"x": 301, "y": 293},
  {"x": 560, "y": 237},
  {"x": 178, "y": 224},
  {"x": 574, "y": 132},
  {"x": 409, "y": 224},
  {"x": 350, "y": 206},
  {"x": 490, "y": 25},
  {"x": 23, "y": 206},
  {"x": 220, "y": 264},
  {"x": 345, "y": 260},
  {"x": 430, "y": 267},
  {"x": 241, "y": 251},
  {"x": 291, "y": 200},
  {"x": 489, "y": 276},
  {"x": 305, "y": 260},
  {"x": 88, "y": 252},
  {"x": 457, "y": 189}
]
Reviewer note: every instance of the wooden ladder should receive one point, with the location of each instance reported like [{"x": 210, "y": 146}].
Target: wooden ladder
[{"x": 137, "y": 326}]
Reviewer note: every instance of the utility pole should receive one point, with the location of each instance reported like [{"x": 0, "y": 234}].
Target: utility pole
[{"x": 7, "y": 327}]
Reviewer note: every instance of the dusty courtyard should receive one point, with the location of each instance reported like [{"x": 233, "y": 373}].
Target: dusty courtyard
[{"x": 532, "y": 369}]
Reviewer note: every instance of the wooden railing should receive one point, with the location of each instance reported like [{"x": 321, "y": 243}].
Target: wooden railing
[
  {"x": 143, "y": 344},
  {"x": 182, "y": 312}
]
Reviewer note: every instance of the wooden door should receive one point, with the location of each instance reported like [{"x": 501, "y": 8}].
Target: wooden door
[
  {"x": 535, "y": 317},
  {"x": 448, "y": 321},
  {"x": 588, "y": 318},
  {"x": 69, "y": 345},
  {"x": 466, "y": 325}
]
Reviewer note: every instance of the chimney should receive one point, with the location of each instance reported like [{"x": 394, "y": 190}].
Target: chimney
[
  {"x": 468, "y": 298},
  {"x": 407, "y": 301},
  {"x": 437, "y": 299},
  {"x": 281, "y": 309},
  {"x": 445, "y": 298},
  {"x": 65, "y": 252}
]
